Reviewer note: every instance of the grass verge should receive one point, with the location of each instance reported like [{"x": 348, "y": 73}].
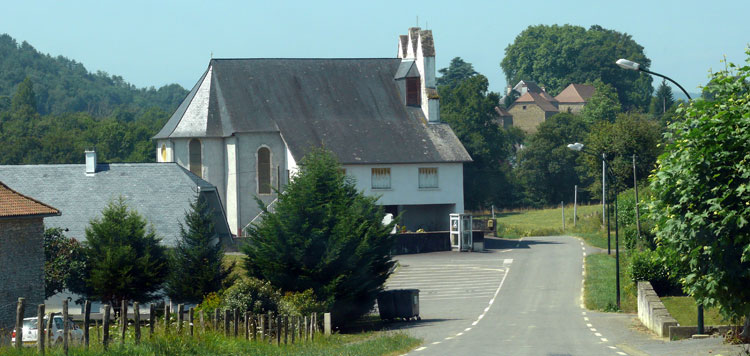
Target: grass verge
[
  {"x": 599, "y": 285},
  {"x": 372, "y": 343},
  {"x": 685, "y": 311}
]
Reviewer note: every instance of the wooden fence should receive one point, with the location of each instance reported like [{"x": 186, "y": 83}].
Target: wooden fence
[{"x": 267, "y": 327}]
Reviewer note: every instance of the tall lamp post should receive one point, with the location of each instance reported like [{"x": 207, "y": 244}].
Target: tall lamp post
[
  {"x": 579, "y": 148},
  {"x": 630, "y": 65}
]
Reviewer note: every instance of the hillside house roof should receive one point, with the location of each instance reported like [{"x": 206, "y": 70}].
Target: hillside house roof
[
  {"x": 538, "y": 99},
  {"x": 502, "y": 112},
  {"x": 160, "y": 192},
  {"x": 575, "y": 94},
  {"x": 353, "y": 107},
  {"x": 16, "y": 205}
]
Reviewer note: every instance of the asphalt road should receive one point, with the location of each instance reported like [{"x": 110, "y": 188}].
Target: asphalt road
[{"x": 522, "y": 297}]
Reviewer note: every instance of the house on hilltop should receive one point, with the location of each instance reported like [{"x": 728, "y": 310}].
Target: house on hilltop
[
  {"x": 247, "y": 122},
  {"x": 574, "y": 97},
  {"x": 21, "y": 252},
  {"x": 535, "y": 105}
]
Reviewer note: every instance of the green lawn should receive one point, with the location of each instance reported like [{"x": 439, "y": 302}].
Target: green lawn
[
  {"x": 685, "y": 311},
  {"x": 371, "y": 343},
  {"x": 599, "y": 286},
  {"x": 546, "y": 222}
]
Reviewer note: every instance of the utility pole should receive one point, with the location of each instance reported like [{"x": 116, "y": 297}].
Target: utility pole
[
  {"x": 604, "y": 185},
  {"x": 575, "y": 204}
]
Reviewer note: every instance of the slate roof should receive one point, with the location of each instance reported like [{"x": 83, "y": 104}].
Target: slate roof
[
  {"x": 160, "y": 192},
  {"x": 576, "y": 93},
  {"x": 16, "y": 205},
  {"x": 502, "y": 112},
  {"x": 353, "y": 107},
  {"x": 537, "y": 99}
]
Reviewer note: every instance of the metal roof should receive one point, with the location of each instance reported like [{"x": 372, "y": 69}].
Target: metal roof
[{"x": 352, "y": 107}]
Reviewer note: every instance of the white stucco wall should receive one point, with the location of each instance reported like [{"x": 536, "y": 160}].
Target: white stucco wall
[
  {"x": 247, "y": 149},
  {"x": 405, "y": 184}
]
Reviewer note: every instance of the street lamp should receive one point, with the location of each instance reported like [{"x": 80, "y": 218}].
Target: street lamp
[
  {"x": 579, "y": 148},
  {"x": 630, "y": 65}
]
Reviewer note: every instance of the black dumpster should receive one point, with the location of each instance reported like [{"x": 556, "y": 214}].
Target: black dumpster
[
  {"x": 406, "y": 302},
  {"x": 385, "y": 305}
]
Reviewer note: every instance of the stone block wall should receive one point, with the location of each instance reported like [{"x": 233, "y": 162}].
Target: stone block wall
[
  {"x": 652, "y": 312},
  {"x": 21, "y": 267}
]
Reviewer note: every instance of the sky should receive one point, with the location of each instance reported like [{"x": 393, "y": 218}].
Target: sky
[{"x": 153, "y": 43}]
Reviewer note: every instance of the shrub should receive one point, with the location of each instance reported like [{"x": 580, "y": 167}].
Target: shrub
[
  {"x": 300, "y": 303},
  {"x": 252, "y": 295},
  {"x": 210, "y": 302},
  {"x": 649, "y": 266}
]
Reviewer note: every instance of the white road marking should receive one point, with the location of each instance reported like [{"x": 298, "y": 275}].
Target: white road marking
[
  {"x": 467, "y": 329},
  {"x": 604, "y": 340},
  {"x": 449, "y": 337},
  {"x": 621, "y": 353},
  {"x": 459, "y": 334},
  {"x": 588, "y": 325},
  {"x": 420, "y": 348},
  {"x": 612, "y": 347},
  {"x": 583, "y": 313},
  {"x": 598, "y": 334},
  {"x": 586, "y": 318},
  {"x": 507, "y": 261},
  {"x": 436, "y": 342}
]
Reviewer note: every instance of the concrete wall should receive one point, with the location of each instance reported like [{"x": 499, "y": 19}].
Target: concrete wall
[
  {"x": 21, "y": 267},
  {"x": 405, "y": 184},
  {"x": 652, "y": 312}
]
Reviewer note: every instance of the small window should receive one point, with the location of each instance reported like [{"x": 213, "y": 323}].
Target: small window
[
  {"x": 163, "y": 152},
  {"x": 428, "y": 178},
  {"x": 524, "y": 107},
  {"x": 196, "y": 165},
  {"x": 413, "y": 91},
  {"x": 264, "y": 170},
  {"x": 381, "y": 178}
]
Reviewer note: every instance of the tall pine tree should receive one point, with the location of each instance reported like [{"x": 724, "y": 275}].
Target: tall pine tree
[{"x": 197, "y": 261}]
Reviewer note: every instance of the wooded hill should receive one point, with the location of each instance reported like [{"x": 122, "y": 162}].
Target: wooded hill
[{"x": 52, "y": 108}]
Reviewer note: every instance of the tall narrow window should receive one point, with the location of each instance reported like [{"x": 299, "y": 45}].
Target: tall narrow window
[
  {"x": 412, "y": 91},
  {"x": 196, "y": 165},
  {"x": 264, "y": 170},
  {"x": 428, "y": 178},
  {"x": 381, "y": 178},
  {"x": 163, "y": 152}
]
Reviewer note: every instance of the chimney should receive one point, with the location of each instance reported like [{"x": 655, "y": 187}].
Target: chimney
[{"x": 90, "y": 162}]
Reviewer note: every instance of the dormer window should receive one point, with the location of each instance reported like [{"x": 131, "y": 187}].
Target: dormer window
[{"x": 413, "y": 91}]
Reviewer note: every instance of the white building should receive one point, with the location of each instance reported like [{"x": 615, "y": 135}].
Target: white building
[{"x": 247, "y": 122}]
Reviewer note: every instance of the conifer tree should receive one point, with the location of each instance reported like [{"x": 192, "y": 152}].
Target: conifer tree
[
  {"x": 326, "y": 236},
  {"x": 196, "y": 266},
  {"x": 124, "y": 259}
]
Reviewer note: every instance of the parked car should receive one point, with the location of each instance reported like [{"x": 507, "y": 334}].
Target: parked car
[{"x": 30, "y": 331}]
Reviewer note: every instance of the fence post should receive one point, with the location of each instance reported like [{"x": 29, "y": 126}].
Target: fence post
[
  {"x": 278, "y": 329},
  {"x": 86, "y": 322},
  {"x": 253, "y": 327},
  {"x": 216, "y": 319},
  {"x": 286, "y": 330},
  {"x": 166, "y": 318},
  {"x": 262, "y": 318},
  {"x": 151, "y": 319},
  {"x": 203, "y": 322},
  {"x": 40, "y": 328},
  {"x": 180, "y": 310},
  {"x": 327, "y": 323},
  {"x": 123, "y": 320},
  {"x": 137, "y": 322},
  {"x": 105, "y": 327},
  {"x": 307, "y": 334},
  {"x": 236, "y": 322},
  {"x": 49, "y": 328},
  {"x": 226, "y": 323},
  {"x": 247, "y": 325},
  {"x": 300, "y": 328},
  {"x": 293, "y": 327},
  {"x": 20, "y": 305},
  {"x": 98, "y": 331},
  {"x": 66, "y": 326},
  {"x": 191, "y": 319}
]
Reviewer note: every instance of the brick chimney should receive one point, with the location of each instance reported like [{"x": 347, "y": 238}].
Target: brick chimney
[
  {"x": 90, "y": 162},
  {"x": 419, "y": 46}
]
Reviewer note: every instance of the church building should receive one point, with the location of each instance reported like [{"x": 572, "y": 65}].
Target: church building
[{"x": 247, "y": 122}]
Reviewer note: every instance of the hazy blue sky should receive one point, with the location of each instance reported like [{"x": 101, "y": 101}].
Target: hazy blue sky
[{"x": 160, "y": 42}]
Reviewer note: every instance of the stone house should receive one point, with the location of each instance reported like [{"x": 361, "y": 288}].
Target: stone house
[
  {"x": 247, "y": 122},
  {"x": 21, "y": 252},
  {"x": 573, "y": 98},
  {"x": 535, "y": 105}
]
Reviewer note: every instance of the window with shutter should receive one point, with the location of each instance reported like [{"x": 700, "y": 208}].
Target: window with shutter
[
  {"x": 195, "y": 162},
  {"x": 264, "y": 170},
  {"x": 381, "y": 178},
  {"x": 413, "y": 91},
  {"x": 428, "y": 177}
]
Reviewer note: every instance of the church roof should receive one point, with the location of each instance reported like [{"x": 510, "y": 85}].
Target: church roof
[
  {"x": 353, "y": 107},
  {"x": 160, "y": 192},
  {"x": 16, "y": 205},
  {"x": 576, "y": 93},
  {"x": 537, "y": 99}
]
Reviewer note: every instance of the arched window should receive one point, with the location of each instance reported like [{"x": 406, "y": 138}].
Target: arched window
[
  {"x": 264, "y": 170},
  {"x": 196, "y": 165},
  {"x": 163, "y": 152}
]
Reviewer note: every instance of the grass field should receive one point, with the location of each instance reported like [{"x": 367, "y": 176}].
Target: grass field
[
  {"x": 685, "y": 311},
  {"x": 599, "y": 288},
  {"x": 546, "y": 222},
  {"x": 371, "y": 343}
]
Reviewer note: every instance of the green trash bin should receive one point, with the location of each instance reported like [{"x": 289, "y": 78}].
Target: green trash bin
[
  {"x": 406, "y": 302},
  {"x": 385, "y": 305}
]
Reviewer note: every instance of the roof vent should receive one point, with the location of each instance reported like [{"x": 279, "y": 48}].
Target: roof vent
[{"x": 90, "y": 162}]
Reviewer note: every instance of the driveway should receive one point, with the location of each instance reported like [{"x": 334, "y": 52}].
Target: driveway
[{"x": 521, "y": 297}]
